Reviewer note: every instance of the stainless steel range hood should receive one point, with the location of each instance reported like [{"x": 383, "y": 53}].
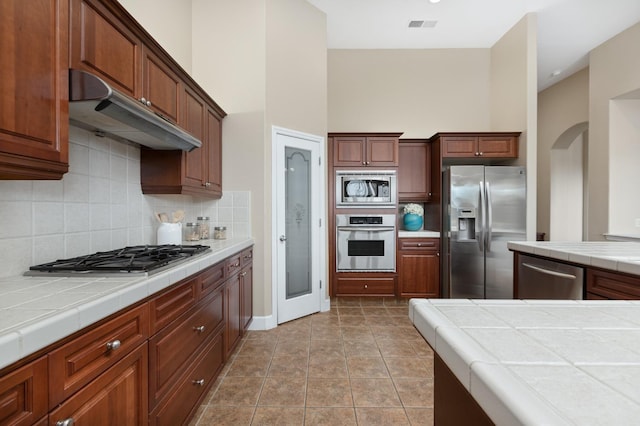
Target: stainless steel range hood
[{"x": 94, "y": 105}]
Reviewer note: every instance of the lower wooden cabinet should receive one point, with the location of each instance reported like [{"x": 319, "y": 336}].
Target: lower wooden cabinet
[
  {"x": 365, "y": 286},
  {"x": 23, "y": 394},
  {"x": 116, "y": 397},
  {"x": 150, "y": 364},
  {"x": 419, "y": 267},
  {"x": 611, "y": 285}
]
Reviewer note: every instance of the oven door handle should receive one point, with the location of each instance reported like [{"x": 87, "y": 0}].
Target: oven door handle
[{"x": 367, "y": 228}]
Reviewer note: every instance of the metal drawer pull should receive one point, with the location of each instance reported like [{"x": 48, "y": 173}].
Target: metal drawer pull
[
  {"x": 548, "y": 272},
  {"x": 112, "y": 346},
  {"x": 65, "y": 422},
  {"x": 198, "y": 382},
  {"x": 366, "y": 286},
  {"x": 199, "y": 329},
  {"x": 243, "y": 274}
]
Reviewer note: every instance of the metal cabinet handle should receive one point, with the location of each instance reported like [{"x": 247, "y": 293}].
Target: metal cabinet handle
[
  {"x": 143, "y": 100},
  {"x": 481, "y": 154},
  {"x": 65, "y": 422},
  {"x": 243, "y": 274},
  {"x": 199, "y": 328},
  {"x": 366, "y": 286},
  {"x": 549, "y": 272},
  {"x": 198, "y": 382},
  {"x": 112, "y": 346},
  {"x": 148, "y": 103},
  {"x": 364, "y": 163},
  {"x": 283, "y": 238}
]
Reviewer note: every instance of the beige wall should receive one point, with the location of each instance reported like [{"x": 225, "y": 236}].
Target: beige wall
[
  {"x": 154, "y": 16},
  {"x": 614, "y": 72},
  {"x": 561, "y": 108},
  {"x": 418, "y": 92},
  {"x": 514, "y": 99}
]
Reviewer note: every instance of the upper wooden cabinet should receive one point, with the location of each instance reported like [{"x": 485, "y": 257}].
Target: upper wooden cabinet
[
  {"x": 34, "y": 89},
  {"x": 414, "y": 170},
  {"x": 102, "y": 44},
  {"x": 479, "y": 145},
  {"x": 365, "y": 150}
]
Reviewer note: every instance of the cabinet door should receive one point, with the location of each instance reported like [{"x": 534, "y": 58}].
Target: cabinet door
[
  {"x": 419, "y": 268},
  {"x": 246, "y": 278},
  {"x": 101, "y": 44},
  {"x": 498, "y": 146},
  {"x": 459, "y": 146},
  {"x": 232, "y": 314},
  {"x": 193, "y": 121},
  {"x": 23, "y": 394},
  {"x": 117, "y": 397},
  {"x": 382, "y": 151},
  {"x": 161, "y": 86},
  {"x": 349, "y": 151},
  {"x": 414, "y": 171},
  {"x": 612, "y": 285},
  {"x": 214, "y": 154},
  {"x": 34, "y": 89}
]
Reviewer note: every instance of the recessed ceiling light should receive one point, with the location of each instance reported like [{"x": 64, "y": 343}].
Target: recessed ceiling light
[
  {"x": 422, "y": 24},
  {"x": 555, "y": 73},
  {"x": 434, "y": 1}
]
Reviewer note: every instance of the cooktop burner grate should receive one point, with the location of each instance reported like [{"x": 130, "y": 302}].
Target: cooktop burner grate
[{"x": 128, "y": 259}]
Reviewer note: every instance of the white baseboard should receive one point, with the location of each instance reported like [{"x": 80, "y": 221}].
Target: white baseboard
[{"x": 263, "y": 323}]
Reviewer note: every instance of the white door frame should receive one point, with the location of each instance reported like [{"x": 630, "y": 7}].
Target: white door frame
[{"x": 322, "y": 241}]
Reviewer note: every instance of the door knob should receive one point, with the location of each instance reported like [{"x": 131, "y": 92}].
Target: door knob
[{"x": 283, "y": 238}]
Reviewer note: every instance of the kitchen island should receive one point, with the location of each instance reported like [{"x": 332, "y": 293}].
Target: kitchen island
[{"x": 533, "y": 362}]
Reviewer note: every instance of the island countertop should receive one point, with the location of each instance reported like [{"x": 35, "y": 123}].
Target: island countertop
[
  {"x": 37, "y": 311},
  {"x": 540, "y": 362},
  {"x": 620, "y": 256}
]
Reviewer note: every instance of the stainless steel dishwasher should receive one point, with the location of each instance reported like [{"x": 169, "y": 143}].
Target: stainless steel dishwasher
[{"x": 547, "y": 279}]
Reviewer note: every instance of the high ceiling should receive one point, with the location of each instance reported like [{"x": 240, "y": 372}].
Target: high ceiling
[{"x": 567, "y": 29}]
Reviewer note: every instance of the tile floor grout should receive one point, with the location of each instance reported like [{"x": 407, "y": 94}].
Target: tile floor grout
[{"x": 380, "y": 371}]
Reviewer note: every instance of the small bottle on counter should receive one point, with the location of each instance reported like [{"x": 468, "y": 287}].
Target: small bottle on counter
[
  {"x": 191, "y": 231},
  {"x": 203, "y": 224},
  {"x": 220, "y": 233}
]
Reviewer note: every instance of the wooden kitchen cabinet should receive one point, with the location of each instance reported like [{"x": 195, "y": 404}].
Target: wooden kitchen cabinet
[
  {"x": 414, "y": 170},
  {"x": 365, "y": 150},
  {"x": 103, "y": 44},
  {"x": 479, "y": 145},
  {"x": 198, "y": 172},
  {"x": 116, "y": 397},
  {"x": 419, "y": 267},
  {"x": 611, "y": 285},
  {"x": 246, "y": 286},
  {"x": 23, "y": 394},
  {"x": 80, "y": 361},
  {"x": 353, "y": 285},
  {"x": 34, "y": 89}
]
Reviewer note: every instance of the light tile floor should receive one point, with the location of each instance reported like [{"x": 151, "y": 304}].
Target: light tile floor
[{"x": 362, "y": 363}]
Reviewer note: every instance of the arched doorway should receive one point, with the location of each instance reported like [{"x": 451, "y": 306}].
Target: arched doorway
[{"x": 567, "y": 216}]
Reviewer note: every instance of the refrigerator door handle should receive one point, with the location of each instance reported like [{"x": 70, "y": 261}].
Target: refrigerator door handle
[
  {"x": 489, "y": 215},
  {"x": 480, "y": 238}
]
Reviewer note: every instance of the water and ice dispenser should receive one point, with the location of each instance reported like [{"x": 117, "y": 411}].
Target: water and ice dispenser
[{"x": 466, "y": 223}]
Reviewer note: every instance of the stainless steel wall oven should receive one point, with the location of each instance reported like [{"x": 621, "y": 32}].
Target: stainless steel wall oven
[{"x": 366, "y": 243}]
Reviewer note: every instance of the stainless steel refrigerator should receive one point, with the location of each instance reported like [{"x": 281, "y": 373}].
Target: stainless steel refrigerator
[{"x": 484, "y": 207}]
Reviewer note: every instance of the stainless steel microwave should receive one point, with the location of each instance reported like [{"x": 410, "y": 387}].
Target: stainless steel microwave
[{"x": 366, "y": 188}]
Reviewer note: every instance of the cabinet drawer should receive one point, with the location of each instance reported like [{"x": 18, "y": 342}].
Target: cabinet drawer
[
  {"x": 212, "y": 278},
  {"x": 426, "y": 245},
  {"x": 233, "y": 264},
  {"x": 365, "y": 286},
  {"x": 186, "y": 397},
  {"x": 246, "y": 257},
  {"x": 23, "y": 394},
  {"x": 612, "y": 285},
  {"x": 170, "y": 350},
  {"x": 78, "y": 362},
  {"x": 170, "y": 305}
]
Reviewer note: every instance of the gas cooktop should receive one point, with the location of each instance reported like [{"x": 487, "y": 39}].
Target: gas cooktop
[{"x": 134, "y": 259}]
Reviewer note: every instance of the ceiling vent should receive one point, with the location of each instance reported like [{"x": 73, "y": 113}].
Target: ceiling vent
[{"x": 422, "y": 24}]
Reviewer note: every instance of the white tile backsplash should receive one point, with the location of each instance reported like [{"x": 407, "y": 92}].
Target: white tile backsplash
[{"x": 98, "y": 205}]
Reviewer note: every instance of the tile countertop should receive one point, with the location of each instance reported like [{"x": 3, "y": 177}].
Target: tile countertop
[
  {"x": 38, "y": 311},
  {"x": 418, "y": 234},
  {"x": 540, "y": 362},
  {"x": 621, "y": 256}
]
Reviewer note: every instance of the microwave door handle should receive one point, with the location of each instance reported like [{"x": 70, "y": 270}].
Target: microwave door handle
[{"x": 366, "y": 229}]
